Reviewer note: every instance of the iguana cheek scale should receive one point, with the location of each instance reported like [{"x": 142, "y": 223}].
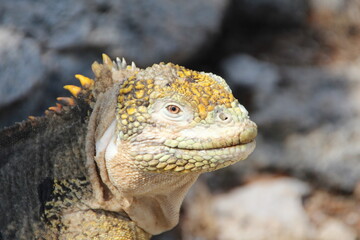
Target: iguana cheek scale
[{"x": 150, "y": 133}]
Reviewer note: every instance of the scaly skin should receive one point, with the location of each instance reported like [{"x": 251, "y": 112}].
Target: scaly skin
[{"x": 150, "y": 133}]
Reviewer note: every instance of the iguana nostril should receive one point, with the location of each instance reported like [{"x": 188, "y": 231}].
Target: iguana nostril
[{"x": 224, "y": 117}]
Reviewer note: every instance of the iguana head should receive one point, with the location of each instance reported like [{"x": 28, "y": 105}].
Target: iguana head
[
  {"x": 180, "y": 121},
  {"x": 153, "y": 131}
]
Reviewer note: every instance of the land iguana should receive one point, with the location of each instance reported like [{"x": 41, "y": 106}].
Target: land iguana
[{"x": 116, "y": 160}]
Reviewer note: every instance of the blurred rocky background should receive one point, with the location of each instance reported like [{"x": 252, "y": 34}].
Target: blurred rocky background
[{"x": 295, "y": 65}]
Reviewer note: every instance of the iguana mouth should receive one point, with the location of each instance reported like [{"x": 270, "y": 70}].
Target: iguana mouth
[
  {"x": 213, "y": 148},
  {"x": 181, "y": 160},
  {"x": 201, "y": 153},
  {"x": 199, "y": 160},
  {"x": 239, "y": 139}
]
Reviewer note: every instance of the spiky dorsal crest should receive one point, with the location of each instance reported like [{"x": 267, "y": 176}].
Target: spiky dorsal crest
[{"x": 106, "y": 74}]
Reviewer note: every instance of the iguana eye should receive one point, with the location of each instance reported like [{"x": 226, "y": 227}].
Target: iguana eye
[
  {"x": 169, "y": 111},
  {"x": 173, "y": 109}
]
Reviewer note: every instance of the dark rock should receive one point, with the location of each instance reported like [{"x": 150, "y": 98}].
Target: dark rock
[
  {"x": 21, "y": 67},
  {"x": 273, "y": 13},
  {"x": 259, "y": 76},
  {"x": 143, "y": 31},
  {"x": 73, "y": 34},
  {"x": 307, "y": 119}
]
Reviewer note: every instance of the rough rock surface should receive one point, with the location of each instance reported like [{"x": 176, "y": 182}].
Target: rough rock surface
[
  {"x": 267, "y": 208},
  {"x": 308, "y": 118},
  {"x": 263, "y": 210},
  {"x": 21, "y": 67},
  {"x": 145, "y": 31},
  {"x": 333, "y": 230},
  {"x": 274, "y": 13},
  {"x": 72, "y": 34}
]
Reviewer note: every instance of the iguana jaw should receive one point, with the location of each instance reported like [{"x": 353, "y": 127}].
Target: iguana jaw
[
  {"x": 152, "y": 198},
  {"x": 198, "y": 149},
  {"x": 206, "y": 160}
]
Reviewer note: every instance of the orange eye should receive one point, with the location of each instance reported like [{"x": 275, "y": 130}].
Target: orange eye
[{"x": 173, "y": 109}]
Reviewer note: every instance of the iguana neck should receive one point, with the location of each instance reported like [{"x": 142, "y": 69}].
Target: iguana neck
[
  {"x": 54, "y": 138},
  {"x": 33, "y": 154}
]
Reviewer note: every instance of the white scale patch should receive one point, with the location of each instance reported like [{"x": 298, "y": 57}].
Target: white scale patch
[{"x": 108, "y": 142}]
